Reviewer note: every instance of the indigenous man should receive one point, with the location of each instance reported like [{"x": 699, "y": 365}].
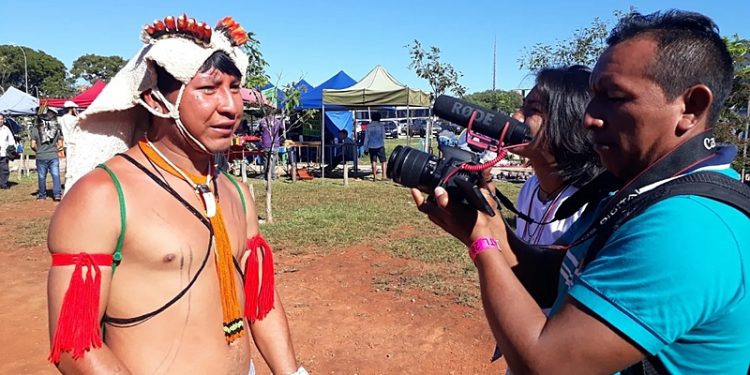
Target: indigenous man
[{"x": 155, "y": 244}]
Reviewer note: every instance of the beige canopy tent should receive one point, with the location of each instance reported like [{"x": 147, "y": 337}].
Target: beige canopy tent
[{"x": 376, "y": 89}]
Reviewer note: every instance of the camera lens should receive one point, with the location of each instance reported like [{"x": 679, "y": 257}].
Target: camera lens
[{"x": 412, "y": 168}]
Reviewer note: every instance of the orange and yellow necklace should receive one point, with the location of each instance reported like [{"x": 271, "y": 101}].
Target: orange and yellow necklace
[{"x": 233, "y": 322}]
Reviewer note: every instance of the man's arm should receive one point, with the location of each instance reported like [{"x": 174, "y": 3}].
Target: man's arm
[
  {"x": 572, "y": 341},
  {"x": 271, "y": 334},
  {"x": 87, "y": 220}
]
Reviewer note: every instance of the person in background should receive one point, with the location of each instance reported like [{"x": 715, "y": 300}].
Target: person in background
[
  {"x": 6, "y": 140},
  {"x": 270, "y": 139},
  {"x": 47, "y": 143},
  {"x": 374, "y": 144},
  {"x": 68, "y": 123},
  {"x": 344, "y": 150}
]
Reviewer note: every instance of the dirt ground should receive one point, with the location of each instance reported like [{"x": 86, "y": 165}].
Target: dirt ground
[{"x": 342, "y": 320}]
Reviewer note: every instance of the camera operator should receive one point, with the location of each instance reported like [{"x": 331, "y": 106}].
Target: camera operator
[
  {"x": 645, "y": 296},
  {"x": 562, "y": 154}
]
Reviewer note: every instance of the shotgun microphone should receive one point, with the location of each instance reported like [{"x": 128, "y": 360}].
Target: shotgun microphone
[{"x": 489, "y": 123}]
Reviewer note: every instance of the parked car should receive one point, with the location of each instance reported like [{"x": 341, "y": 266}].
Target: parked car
[
  {"x": 391, "y": 129},
  {"x": 418, "y": 128}
]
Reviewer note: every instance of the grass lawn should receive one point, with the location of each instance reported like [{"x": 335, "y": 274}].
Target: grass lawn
[{"x": 322, "y": 214}]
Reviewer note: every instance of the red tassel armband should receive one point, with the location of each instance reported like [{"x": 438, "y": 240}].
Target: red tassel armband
[
  {"x": 258, "y": 296},
  {"x": 78, "y": 323}
]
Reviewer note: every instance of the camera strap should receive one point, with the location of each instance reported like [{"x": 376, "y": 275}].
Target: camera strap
[{"x": 693, "y": 154}]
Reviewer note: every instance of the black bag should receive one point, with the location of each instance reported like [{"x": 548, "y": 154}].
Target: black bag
[{"x": 11, "y": 152}]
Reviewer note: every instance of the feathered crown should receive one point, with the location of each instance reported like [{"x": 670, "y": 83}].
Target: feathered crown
[{"x": 189, "y": 28}]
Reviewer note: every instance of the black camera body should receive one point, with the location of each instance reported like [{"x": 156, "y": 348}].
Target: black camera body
[
  {"x": 486, "y": 130},
  {"x": 417, "y": 169}
]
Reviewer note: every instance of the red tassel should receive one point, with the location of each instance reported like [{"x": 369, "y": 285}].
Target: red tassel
[
  {"x": 258, "y": 298},
  {"x": 78, "y": 323},
  {"x": 251, "y": 283}
]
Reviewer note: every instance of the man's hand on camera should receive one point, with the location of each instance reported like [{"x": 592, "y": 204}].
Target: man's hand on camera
[{"x": 463, "y": 222}]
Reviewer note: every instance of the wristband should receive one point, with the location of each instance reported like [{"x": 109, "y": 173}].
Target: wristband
[{"x": 481, "y": 245}]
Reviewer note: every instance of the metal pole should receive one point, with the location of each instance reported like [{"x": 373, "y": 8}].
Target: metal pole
[
  {"x": 25, "y": 67},
  {"x": 322, "y": 142}
]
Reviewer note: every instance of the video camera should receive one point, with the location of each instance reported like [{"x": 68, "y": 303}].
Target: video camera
[{"x": 459, "y": 171}]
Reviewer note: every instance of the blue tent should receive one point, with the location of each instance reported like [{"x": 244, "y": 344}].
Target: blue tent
[
  {"x": 17, "y": 102},
  {"x": 303, "y": 86},
  {"x": 313, "y": 99},
  {"x": 268, "y": 91},
  {"x": 336, "y": 119}
]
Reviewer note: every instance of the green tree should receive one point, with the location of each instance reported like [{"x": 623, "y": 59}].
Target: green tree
[
  {"x": 292, "y": 97},
  {"x": 255, "y": 76},
  {"x": 584, "y": 47},
  {"x": 93, "y": 68},
  {"x": 504, "y": 101},
  {"x": 47, "y": 75},
  {"x": 733, "y": 121},
  {"x": 442, "y": 77}
]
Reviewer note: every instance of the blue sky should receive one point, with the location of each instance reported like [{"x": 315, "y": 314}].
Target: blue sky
[{"x": 315, "y": 39}]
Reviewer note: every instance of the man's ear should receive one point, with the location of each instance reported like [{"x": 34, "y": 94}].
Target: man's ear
[
  {"x": 150, "y": 99},
  {"x": 698, "y": 100}
]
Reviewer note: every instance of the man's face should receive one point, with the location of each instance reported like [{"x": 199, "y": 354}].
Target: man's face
[
  {"x": 632, "y": 122},
  {"x": 211, "y": 108},
  {"x": 2, "y": 120}
]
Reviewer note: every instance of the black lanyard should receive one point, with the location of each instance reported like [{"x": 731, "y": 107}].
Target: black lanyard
[{"x": 687, "y": 156}]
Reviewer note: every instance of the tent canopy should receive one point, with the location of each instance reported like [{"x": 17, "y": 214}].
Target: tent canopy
[
  {"x": 274, "y": 94},
  {"x": 83, "y": 99},
  {"x": 17, "y": 102},
  {"x": 377, "y": 88},
  {"x": 313, "y": 98},
  {"x": 303, "y": 86}
]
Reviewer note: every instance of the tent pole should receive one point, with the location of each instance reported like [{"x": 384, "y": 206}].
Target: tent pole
[
  {"x": 323, "y": 142},
  {"x": 408, "y": 123}
]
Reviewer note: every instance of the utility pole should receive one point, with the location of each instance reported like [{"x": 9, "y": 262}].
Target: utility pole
[
  {"x": 494, "y": 62},
  {"x": 25, "y": 67}
]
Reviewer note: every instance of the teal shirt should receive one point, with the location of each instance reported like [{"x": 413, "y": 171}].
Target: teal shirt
[{"x": 675, "y": 280}]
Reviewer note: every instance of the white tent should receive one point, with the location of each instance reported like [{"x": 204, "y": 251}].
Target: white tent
[
  {"x": 376, "y": 89},
  {"x": 17, "y": 102}
]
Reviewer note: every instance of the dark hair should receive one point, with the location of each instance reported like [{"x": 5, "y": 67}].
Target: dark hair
[
  {"x": 564, "y": 93},
  {"x": 376, "y": 116},
  {"x": 689, "y": 52},
  {"x": 218, "y": 60},
  {"x": 346, "y": 133}
]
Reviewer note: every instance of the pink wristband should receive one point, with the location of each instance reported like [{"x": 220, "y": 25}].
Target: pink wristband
[{"x": 481, "y": 245}]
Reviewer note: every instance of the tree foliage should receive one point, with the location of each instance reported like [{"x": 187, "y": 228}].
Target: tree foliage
[
  {"x": 441, "y": 76},
  {"x": 583, "y": 48},
  {"x": 255, "y": 76},
  {"x": 47, "y": 75},
  {"x": 733, "y": 122},
  {"x": 93, "y": 68},
  {"x": 503, "y": 101}
]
